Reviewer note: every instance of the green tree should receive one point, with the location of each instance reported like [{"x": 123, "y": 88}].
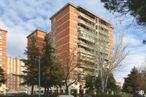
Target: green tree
[
  {"x": 90, "y": 82},
  {"x": 57, "y": 76},
  {"x": 136, "y": 8},
  {"x": 2, "y": 76},
  {"x": 95, "y": 83},
  {"x": 111, "y": 85},
  {"x": 46, "y": 64},
  {"x": 51, "y": 73},
  {"x": 134, "y": 82},
  {"x": 31, "y": 65}
]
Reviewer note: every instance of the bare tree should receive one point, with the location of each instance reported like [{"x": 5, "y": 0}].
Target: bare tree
[
  {"x": 71, "y": 70},
  {"x": 106, "y": 67}
]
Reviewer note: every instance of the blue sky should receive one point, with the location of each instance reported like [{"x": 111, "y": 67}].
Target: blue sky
[{"x": 21, "y": 17}]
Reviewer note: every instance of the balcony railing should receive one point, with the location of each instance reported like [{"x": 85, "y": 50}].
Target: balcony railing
[
  {"x": 87, "y": 60},
  {"x": 87, "y": 24},
  {"x": 87, "y": 67},
  {"x": 86, "y": 16},
  {"x": 86, "y": 37},
  {"x": 103, "y": 33},
  {"x": 104, "y": 26},
  {"x": 91, "y": 33},
  {"x": 85, "y": 45},
  {"x": 84, "y": 55}
]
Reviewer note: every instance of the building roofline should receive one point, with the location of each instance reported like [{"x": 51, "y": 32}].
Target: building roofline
[
  {"x": 82, "y": 8},
  {"x": 62, "y": 9},
  {"x": 36, "y": 31},
  {"x": 13, "y": 57},
  {"x": 3, "y": 30},
  {"x": 94, "y": 14}
]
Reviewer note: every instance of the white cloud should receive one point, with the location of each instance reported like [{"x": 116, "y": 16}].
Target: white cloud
[{"x": 130, "y": 40}]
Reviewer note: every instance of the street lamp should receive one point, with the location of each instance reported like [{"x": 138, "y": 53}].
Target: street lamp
[{"x": 39, "y": 74}]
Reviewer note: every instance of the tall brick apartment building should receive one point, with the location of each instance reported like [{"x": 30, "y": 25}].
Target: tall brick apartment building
[
  {"x": 3, "y": 57},
  {"x": 75, "y": 28}
]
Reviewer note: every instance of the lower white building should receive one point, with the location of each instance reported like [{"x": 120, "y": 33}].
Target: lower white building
[{"x": 14, "y": 67}]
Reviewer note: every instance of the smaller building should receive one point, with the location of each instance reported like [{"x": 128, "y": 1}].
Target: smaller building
[
  {"x": 3, "y": 58},
  {"x": 39, "y": 35},
  {"x": 15, "y": 67}
]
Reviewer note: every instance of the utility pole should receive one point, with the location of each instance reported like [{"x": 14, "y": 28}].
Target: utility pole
[{"x": 39, "y": 75}]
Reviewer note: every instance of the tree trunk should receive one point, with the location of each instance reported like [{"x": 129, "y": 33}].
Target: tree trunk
[
  {"x": 60, "y": 88},
  {"x": 57, "y": 90},
  {"x": 45, "y": 91},
  {"x": 102, "y": 81},
  {"x": 32, "y": 88},
  {"x": 106, "y": 81},
  {"x": 66, "y": 90}
]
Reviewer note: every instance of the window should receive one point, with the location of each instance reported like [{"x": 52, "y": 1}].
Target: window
[
  {"x": 0, "y": 42},
  {"x": 0, "y": 48},
  {"x": 0, "y": 32},
  {"x": 0, "y": 53},
  {"x": 0, "y": 37}
]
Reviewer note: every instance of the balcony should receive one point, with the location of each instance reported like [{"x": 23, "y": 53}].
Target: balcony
[
  {"x": 104, "y": 34},
  {"x": 88, "y": 17},
  {"x": 103, "y": 40},
  {"x": 86, "y": 45},
  {"x": 91, "y": 33},
  {"x": 86, "y": 37},
  {"x": 87, "y": 24},
  {"x": 104, "y": 26},
  {"x": 87, "y": 67},
  {"x": 87, "y": 60},
  {"x": 86, "y": 56},
  {"x": 86, "y": 53}
]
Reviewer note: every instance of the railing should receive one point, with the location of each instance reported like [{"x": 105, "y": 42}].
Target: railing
[
  {"x": 86, "y": 16},
  {"x": 88, "y": 46},
  {"x": 92, "y": 28},
  {"x": 103, "y": 33},
  {"x": 87, "y": 24},
  {"x": 86, "y": 37},
  {"x": 103, "y": 39},
  {"x": 87, "y": 66},
  {"x": 87, "y": 60},
  {"x": 81, "y": 29},
  {"x": 84, "y": 55},
  {"x": 104, "y": 26}
]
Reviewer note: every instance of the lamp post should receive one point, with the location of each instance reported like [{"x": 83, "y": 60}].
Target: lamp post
[{"x": 39, "y": 74}]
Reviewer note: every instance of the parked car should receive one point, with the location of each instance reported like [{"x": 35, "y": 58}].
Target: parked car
[{"x": 65, "y": 96}]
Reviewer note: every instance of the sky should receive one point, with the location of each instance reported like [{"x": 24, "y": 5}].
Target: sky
[{"x": 21, "y": 17}]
